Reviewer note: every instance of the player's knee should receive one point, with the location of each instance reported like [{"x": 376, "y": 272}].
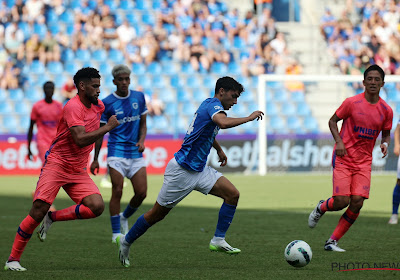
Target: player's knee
[
  {"x": 233, "y": 197},
  {"x": 97, "y": 208},
  {"x": 117, "y": 193},
  {"x": 342, "y": 203},
  {"x": 141, "y": 195}
]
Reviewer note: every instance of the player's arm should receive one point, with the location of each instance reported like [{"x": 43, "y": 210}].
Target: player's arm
[
  {"x": 385, "y": 142},
  {"x": 142, "y": 132},
  {"x": 222, "y": 157},
  {"x": 29, "y": 137},
  {"x": 225, "y": 122},
  {"x": 396, "y": 148},
  {"x": 83, "y": 139},
  {"x": 94, "y": 167},
  {"x": 340, "y": 148}
]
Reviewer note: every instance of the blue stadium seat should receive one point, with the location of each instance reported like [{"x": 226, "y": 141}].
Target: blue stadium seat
[
  {"x": 176, "y": 81},
  {"x": 59, "y": 80},
  {"x": 288, "y": 109},
  {"x": 161, "y": 124},
  {"x": 182, "y": 95},
  {"x": 169, "y": 68},
  {"x": 145, "y": 81},
  {"x": 83, "y": 55},
  {"x": 293, "y": 123},
  {"x": 280, "y": 95},
  {"x": 105, "y": 68},
  {"x": 192, "y": 82},
  {"x": 188, "y": 109},
  {"x": 21, "y": 108},
  {"x": 208, "y": 82},
  {"x": 6, "y": 107},
  {"x": 219, "y": 68},
  {"x": 16, "y": 94},
  {"x": 303, "y": 109},
  {"x": 10, "y": 123},
  {"x": 311, "y": 125},
  {"x": 277, "y": 124},
  {"x": 99, "y": 55},
  {"x": 201, "y": 94},
  {"x": 54, "y": 28},
  {"x": 234, "y": 68},
  {"x": 67, "y": 55},
  {"x": 158, "y": 82},
  {"x": 126, "y": 5},
  {"x": 24, "y": 122},
  {"x": 171, "y": 109},
  {"x": 40, "y": 29},
  {"x": 187, "y": 68},
  {"x": 156, "y": 4},
  {"x": 154, "y": 68},
  {"x": 34, "y": 94},
  {"x": 297, "y": 96},
  {"x": 55, "y": 67},
  {"x": 67, "y": 17},
  {"x": 148, "y": 18},
  {"x": 142, "y": 5},
  {"x": 116, "y": 56},
  {"x": 131, "y": 18},
  {"x": 37, "y": 67},
  {"x": 239, "y": 43},
  {"x": 272, "y": 109},
  {"x": 3, "y": 95},
  {"x": 70, "y": 67},
  {"x": 138, "y": 68}
]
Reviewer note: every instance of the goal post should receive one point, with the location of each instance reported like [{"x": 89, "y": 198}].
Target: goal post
[{"x": 317, "y": 99}]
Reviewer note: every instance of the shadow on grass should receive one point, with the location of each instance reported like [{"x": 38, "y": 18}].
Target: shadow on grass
[{"x": 177, "y": 248}]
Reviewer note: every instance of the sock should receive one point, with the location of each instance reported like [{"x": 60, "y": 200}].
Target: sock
[
  {"x": 137, "y": 230},
  {"x": 396, "y": 199},
  {"x": 225, "y": 218},
  {"x": 129, "y": 210},
  {"x": 22, "y": 237},
  {"x": 73, "y": 212},
  {"x": 327, "y": 205},
  {"x": 115, "y": 224},
  {"x": 345, "y": 222}
]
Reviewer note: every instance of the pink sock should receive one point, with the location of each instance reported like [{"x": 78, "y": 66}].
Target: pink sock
[
  {"x": 327, "y": 205},
  {"x": 73, "y": 212},
  {"x": 22, "y": 237},
  {"x": 345, "y": 222}
]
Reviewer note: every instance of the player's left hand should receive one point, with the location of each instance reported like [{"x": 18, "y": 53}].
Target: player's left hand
[
  {"x": 95, "y": 167},
  {"x": 222, "y": 157},
  {"x": 384, "y": 150},
  {"x": 141, "y": 147}
]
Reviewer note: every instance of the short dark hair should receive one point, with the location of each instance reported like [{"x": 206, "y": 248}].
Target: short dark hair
[
  {"x": 375, "y": 67},
  {"x": 228, "y": 83},
  {"x": 48, "y": 83},
  {"x": 86, "y": 73}
]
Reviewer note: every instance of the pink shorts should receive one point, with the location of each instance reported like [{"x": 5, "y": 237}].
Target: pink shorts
[
  {"x": 42, "y": 149},
  {"x": 76, "y": 185},
  {"x": 347, "y": 182}
]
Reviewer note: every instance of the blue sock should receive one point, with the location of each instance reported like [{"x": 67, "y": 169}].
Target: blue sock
[
  {"x": 396, "y": 199},
  {"x": 129, "y": 210},
  {"x": 224, "y": 219},
  {"x": 115, "y": 224},
  {"x": 137, "y": 230}
]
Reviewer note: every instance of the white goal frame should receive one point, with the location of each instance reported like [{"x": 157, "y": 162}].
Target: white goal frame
[{"x": 262, "y": 102}]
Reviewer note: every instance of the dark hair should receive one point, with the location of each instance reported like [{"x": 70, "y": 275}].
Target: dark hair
[
  {"x": 48, "y": 83},
  {"x": 86, "y": 73},
  {"x": 228, "y": 83},
  {"x": 375, "y": 67}
]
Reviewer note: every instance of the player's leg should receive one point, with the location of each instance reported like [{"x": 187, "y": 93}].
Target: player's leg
[
  {"x": 341, "y": 180},
  {"x": 139, "y": 184},
  {"x": 143, "y": 223},
  {"x": 224, "y": 189},
  {"x": 396, "y": 198},
  {"x": 117, "y": 180},
  {"x": 24, "y": 233}
]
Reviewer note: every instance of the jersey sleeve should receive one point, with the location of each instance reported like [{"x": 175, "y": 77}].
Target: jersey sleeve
[
  {"x": 214, "y": 108},
  {"x": 387, "y": 125},
  {"x": 35, "y": 113},
  {"x": 143, "y": 102},
  {"x": 343, "y": 112},
  {"x": 106, "y": 114},
  {"x": 73, "y": 115}
]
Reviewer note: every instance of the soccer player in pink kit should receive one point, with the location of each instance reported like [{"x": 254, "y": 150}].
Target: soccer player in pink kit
[
  {"x": 364, "y": 117},
  {"x": 46, "y": 114},
  {"x": 65, "y": 166}
]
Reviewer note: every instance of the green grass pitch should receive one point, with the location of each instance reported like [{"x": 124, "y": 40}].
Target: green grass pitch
[{"x": 272, "y": 211}]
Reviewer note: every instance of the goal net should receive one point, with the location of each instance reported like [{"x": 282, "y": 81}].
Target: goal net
[{"x": 299, "y": 107}]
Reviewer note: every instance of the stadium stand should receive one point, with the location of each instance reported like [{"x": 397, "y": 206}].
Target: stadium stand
[{"x": 158, "y": 40}]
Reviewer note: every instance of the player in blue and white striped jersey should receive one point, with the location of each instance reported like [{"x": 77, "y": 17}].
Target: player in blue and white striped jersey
[
  {"x": 125, "y": 147},
  {"x": 187, "y": 170}
]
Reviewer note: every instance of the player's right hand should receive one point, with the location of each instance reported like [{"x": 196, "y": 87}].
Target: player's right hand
[
  {"x": 29, "y": 156},
  {"x": 94, "y": 167},
  {"x": 256, "y": 115},
  {"x": 340, "y": 149},
  {"x": 113, "y": 122}
]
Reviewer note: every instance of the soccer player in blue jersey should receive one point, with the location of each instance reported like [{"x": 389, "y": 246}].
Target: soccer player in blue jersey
[
  {"x": 125, "y": 148},
  {"x": 187, "y": 170}
]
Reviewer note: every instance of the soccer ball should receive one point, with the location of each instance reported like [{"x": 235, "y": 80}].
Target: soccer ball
[{"x": 298, "y": 253}]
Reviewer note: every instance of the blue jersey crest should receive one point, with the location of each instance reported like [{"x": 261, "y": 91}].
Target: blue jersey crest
[
  {"x": 122, "y": 139},
  {"x": 200, "y": 136}
]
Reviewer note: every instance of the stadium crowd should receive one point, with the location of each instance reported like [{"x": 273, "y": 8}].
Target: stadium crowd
[{"x": 366, "y": 32}]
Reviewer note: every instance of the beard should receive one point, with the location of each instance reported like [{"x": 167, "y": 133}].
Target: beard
[{"x": 93, "y": 100}]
